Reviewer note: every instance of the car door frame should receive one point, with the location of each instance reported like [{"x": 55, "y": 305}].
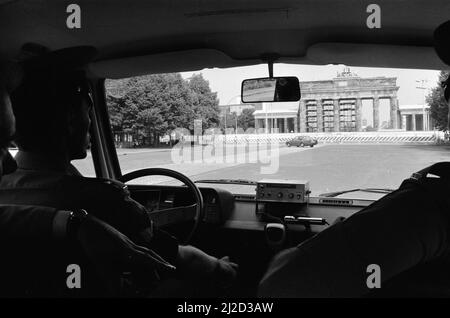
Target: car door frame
[{"x": 103, "y": 150}]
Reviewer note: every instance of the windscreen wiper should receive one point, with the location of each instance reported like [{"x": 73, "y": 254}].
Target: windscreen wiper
[
  {"x": 372, "y": 190},
  {"x": 227, "y": 181}
]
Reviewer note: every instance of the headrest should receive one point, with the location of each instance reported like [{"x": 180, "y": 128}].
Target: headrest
[
  {"x": 442, "y": 42},
  {"x": 7, "y": 123},
  {"x": 442, "y": 47}
]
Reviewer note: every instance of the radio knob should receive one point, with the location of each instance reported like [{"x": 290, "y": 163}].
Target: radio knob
[
  {"x": 280, "y": 194},
  {"x": 291, "y": 195},
  {"x": 299, "y": 196}
]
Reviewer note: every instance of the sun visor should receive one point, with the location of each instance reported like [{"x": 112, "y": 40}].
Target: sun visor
[
  {"x": 178, "y": 61},
  {"x": 375, "y": 55}
]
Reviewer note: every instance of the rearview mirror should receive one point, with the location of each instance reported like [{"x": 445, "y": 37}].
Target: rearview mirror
[{"x": 270, "y": 89}]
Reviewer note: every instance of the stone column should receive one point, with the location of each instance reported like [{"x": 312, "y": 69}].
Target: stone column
[
  {"x": 266, "y": 125},
  {"x": 286, "y": 129},
  {"x": 413, "y": 121},
  {"x": 394, "y": 112},
  {"x": 256, "y": 124},
  {"x": 403, "y": 122},
  {"x": 376, "y": 112},
  {"x": 319, "y": 115},
  {"x": 427, "y": 122},
  {"x": 336, "y": 115},
  {"x": 302, "y": 116},
  {"x": 358, "y": 106},
  {"x": 295, "y": 124}
]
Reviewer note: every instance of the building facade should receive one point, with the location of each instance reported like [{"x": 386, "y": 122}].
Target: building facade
[
  {"x": 333, "y": 106},
  {"x": 416, "y": 118}
]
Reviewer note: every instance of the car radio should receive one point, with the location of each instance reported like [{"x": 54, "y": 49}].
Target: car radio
[{"x": 275, "y": 190}]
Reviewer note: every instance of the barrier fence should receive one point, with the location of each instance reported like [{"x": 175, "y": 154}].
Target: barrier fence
[{"x": 342, "y": 137}]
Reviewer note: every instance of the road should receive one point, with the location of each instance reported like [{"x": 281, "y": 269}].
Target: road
[{"x": 327, "y": 167}]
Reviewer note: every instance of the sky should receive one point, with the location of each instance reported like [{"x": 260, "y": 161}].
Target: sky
[{"x": 227, "y": 82}]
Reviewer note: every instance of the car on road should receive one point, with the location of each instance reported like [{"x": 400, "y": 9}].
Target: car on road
[{"x": 302, "y": 141}]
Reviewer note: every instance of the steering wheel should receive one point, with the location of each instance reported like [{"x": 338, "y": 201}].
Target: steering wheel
[{"x": 193, "y": 212}]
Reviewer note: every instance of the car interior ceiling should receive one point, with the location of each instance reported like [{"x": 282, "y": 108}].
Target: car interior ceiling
[
  {"x": 139, "y": 48},
  {"x": 297, "y": 31}
]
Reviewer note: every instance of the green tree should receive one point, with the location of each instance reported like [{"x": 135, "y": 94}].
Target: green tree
[
  {"x": 246, "y": 119},
  {"x": 116, "y": 113},
  {"x": 156, "y": 104},
  {"x": 228, "y": 118},
  {"x": 438, "y": 105},
  {"x": 150, "y": 106},
  {"x": 205, "y": 102}
]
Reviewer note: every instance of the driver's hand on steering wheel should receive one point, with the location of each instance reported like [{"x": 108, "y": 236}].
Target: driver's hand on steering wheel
[{"x": 194, "y": 263}]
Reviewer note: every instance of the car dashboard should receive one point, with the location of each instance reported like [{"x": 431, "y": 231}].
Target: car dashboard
[
  {"x": 250, "y": 232},
  {"x": 242, "y": 211}
]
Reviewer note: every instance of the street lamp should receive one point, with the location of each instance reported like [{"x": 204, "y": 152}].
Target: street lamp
[{"x": 228, "y": 107}]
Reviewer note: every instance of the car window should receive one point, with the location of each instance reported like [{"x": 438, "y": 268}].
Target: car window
[
  {"x": 373, "y": 126},
  {"x": 85, "y": 166}
]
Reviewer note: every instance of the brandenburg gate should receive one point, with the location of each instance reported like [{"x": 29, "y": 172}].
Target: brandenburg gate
[{"x": 335, "y": 105}]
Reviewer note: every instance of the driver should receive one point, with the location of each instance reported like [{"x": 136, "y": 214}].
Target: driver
[
  {"x": 34, "y": 235},
  {"x": 52, "y": 107}
]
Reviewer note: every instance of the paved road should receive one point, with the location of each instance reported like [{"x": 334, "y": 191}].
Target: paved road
[{"x": 327, "y": 167}]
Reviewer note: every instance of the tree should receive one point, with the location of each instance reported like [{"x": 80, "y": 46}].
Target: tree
[
  {"x": 205, "y": 102},
  {"x": 153, "y": 105},
  {"x": 116, "y": 114},
  {"x": 158, "y": 103},
  {"x": 229, "y": 119},
  {"x": 246, "y": 119},
  {"x": 438, "y": 105}
]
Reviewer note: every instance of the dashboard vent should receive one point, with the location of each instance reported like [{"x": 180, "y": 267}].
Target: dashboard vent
[{"x": 342, "y": 202}]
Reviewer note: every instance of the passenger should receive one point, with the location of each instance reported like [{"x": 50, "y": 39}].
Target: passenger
[
  {"x": 52, "y": 107},
  {"x": 404, "y": 234}
]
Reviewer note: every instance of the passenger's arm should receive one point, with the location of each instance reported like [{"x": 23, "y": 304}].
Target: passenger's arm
[{"x": 396, "y": 233}]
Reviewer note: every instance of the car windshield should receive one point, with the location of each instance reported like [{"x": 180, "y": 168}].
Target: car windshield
[{"x": 370, "y": 127}]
